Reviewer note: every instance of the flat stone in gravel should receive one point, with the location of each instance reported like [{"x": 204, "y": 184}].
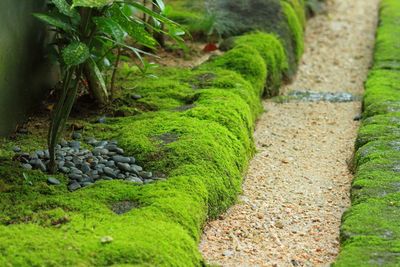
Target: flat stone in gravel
[
  {"x": 53, "y": 181},
  {"x": 74, "y": 186}
]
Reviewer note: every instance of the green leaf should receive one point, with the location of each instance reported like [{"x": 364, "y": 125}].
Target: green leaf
[
  {"x": 160, "y": 4},
  {"x": 75, "y": 54},
  {"x": 54, "y": 21},
  {"x": 91, "y": 3},
  {"x": 133, "y": 28},
  {"x": 110, "y": 27},
  {"x": 65, "y": 8},
  {"x": 100, "y": 78}
]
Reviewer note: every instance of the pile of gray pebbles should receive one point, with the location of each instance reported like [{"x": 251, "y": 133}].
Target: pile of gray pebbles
[{"x": 104, "y": 161}]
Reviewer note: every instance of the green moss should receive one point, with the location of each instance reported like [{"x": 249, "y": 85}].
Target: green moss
[
  {"x": 387, "y": 55},
  {"x": 299, "y": 7},
  {"x": 382, "y": 89},
  {"x": 371, "y": 231},
  {"x": 296, "y": 30},
  {"x": 379, "y": 127},
  {"x": 191, "y": 15},
  {"x": 195, "y": 127},
  {"x": 246, "y": 61},
  {"x": 273, "y": 53}
]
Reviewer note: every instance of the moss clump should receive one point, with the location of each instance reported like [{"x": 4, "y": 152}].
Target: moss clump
[
  {"x": 296, "y": 30},
  {"x": 192, "y": 15},
  {"x": 204, "y": 163},
  {"x": 299, "y": 7},
  {"x": 192, "y": 126},
  {"x": 273, "y": 53},
  {"x": 246, "y": 61},
  {"x": 370, "y": 231}
]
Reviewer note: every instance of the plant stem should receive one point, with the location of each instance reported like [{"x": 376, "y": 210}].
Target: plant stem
[{"x": 114, "y": 74}]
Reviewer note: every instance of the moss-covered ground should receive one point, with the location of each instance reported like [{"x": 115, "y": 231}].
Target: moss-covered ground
[
  {"x": 370, "y": 231},
  {"x": 192, "y": 126}
]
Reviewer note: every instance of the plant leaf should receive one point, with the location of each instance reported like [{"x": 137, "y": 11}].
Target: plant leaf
[
  {"x": 65, "y": 8},
  {"x": 110, "y": 27},
  {"x": 75, "y": 53},
  {"x": 100, "y": 78},
  {"x": 133, "y": 28},
  {"x": 54, "y": 21},
  {"x": 160, "y": 4},
  {"x": 91, "y": 3}
]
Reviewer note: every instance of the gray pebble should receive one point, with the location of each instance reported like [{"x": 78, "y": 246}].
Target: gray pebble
[
  {"x": 16, "y": 149},
  {"x": 121, "y": 159},
  {"x": 63, "y": 143},
  {"x": 85, "y": 168},
  {"x": 134, "y": 180},
  {"x": 146, "y": 175},
  {"x": 102, "y": 119},
  {"x": 107, "y": 178},
  {"x": 110, "y": 164},
  {"x": 64, "y": 170},
  {"x": 124, "y": 167},
  {"x": 69, "y": 164},
  {"x": 84, "y": 184},
  {"x": 40, "y": 153},
  {"x": 98, "y": 151},
  {"x": 136, "y": 97},
  {"x": 136, "y": 169},
  {"x": 53, "y": 181},
  {"x": 75, "y": 144},
  {"x": 61, "y": 164},
  {"x": 109, "y": 172},
  {"x": 74, "y": 186},
  {"x": 75, "y": 176},
  {"x": 27, "y": 166},
  {"x": 91, "y": 141},
  {"x": 76, "y": 136},
  {"x": 101, "y": 144},
  {"x": 121, "y": 176}
]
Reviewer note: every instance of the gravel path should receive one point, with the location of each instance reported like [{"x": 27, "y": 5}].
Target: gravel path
[{"x": 298, "y": 184}]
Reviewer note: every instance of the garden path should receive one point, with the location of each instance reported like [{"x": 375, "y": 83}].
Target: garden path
[{"x": 297, "y": 186}]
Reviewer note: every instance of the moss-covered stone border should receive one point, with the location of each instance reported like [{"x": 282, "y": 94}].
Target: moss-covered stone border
[
  {"x": 196, "y": 126},
  {"x": 370, "y": 232}
]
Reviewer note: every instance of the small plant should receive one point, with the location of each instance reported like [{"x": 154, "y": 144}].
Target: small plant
[{"x": 86, "y": 34}]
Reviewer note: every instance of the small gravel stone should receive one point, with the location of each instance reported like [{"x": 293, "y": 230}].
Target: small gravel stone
[
  {"x": 136, "y": 97},
  {"x": 17, "y": 149},
  {"x": 27, "y": 166},
  {"x": 109, "y": 172},
  {"x": 74, "y": 186},
  {"x": 76, "y": 136},
  {"x": 85, "y": 168},
  {"x": 40, "y": 153},
  {"x": 102, "y": 119},
  {"x": 84, "y": 184},
  {"x": 110, "y": 164},
  {"x": 53, "y": 181},
  {"x": 65, "y": 170},
  {"x": 136, "y": 168},
  {"x": 91, "y": 141},
  {"x": 101, "y": 144},
  {"x": 146, "y": 175},
  {"x": 98, "y": 151},
  {"x": 121, "y": 159},
  {"x": 124, "y": 167},
  {"x": 75, "y": 144},
  {"x": 134, "y": 180},
  {"x": 75, "y": 176}
]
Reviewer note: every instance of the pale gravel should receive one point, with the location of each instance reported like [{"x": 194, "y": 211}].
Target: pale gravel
[{"x": 297, "y": 186}]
